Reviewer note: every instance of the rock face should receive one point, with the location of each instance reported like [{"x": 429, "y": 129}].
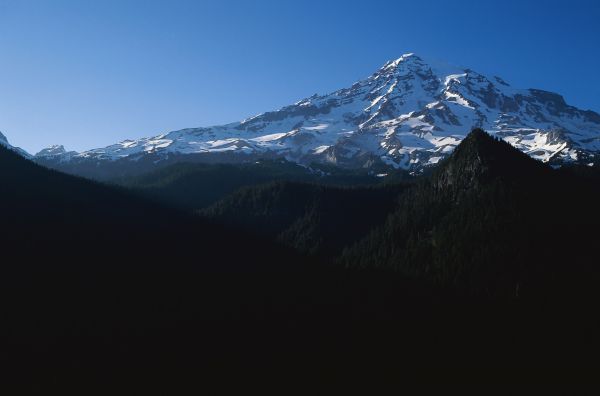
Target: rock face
[{"x": 409, "y": 114}]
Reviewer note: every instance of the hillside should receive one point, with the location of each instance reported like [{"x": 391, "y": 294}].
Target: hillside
[
  {"x": 194, "y": 186},
  {"x": 486, "y": 266},
  {"x": 55, "y": 220},
  {"x": 490, "y": 219},
  {"x": 315, "y": 219}
]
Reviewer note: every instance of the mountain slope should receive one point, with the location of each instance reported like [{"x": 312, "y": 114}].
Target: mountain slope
[
  {"x": 157, "y": 329},
  {"x": 314, "y": 219},
  {"x": 491, "y": 219},
  {"x": 195, "y": 186},
  {"x": 56, "y": 220},
  {"x": 4, "y": 143},
  {"x": 410, "y": 114}
]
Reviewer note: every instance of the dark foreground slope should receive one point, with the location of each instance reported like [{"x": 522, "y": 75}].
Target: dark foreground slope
[
  {"x": 52, "y": 221},
  {"x": 92, "y": 327}
]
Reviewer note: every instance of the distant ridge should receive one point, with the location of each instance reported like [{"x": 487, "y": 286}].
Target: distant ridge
[{"x": 4, "y": 143}]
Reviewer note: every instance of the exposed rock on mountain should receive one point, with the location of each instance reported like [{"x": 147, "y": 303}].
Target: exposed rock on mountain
[{"x": 409, "y": 114}]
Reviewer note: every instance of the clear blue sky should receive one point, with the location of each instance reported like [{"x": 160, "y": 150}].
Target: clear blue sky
[{"x": 89, "y": 73}]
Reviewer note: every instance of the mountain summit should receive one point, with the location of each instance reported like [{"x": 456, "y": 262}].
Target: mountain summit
[
  {"x": 409, "y": 114},
  {"x": 56, "y": 151}
]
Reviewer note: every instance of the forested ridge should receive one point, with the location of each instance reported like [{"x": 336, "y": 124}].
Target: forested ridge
[
  {"x": 486, "y": 266},
  {"x": 487, "y": 220}
]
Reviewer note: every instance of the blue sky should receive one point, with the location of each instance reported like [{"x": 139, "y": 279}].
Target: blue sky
[{"x": 89, "y": 73}]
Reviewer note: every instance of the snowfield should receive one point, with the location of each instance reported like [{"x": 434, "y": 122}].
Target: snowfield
[{"x": 409, "y": 114}]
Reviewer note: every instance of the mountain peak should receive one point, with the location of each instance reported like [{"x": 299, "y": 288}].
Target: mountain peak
[
  {"x": 482, "y": 148},
  {"x": 407, "y": 61},
  {"x": 52, "y": 150},
  {"x": 477, "y": 137},
  {"x": 403, "y": 58},
  {"x": 481, "y": 158},
  {"x": 410, "y": 114},
  {"x": 55, "y": 153}
]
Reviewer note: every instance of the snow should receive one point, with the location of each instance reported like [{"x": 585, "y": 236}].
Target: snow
[
  {"x": 319, "y": 127},
  {"x": 456, "y": 78},
  {"x": 410, "y": 113},
  {"x": 320, "y": 149},
  {"x": 269, "y": 138},
  {"x": 457, "y": 99}
]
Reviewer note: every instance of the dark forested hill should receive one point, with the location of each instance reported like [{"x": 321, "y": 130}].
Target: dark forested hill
[
  {"x": 193, "y": 186},
  {"x": 315, "y": 219},
  {"x": 491, "y": 219},
  {"x": 487, "y": 267},
  {"x": 50, "y": 219}
]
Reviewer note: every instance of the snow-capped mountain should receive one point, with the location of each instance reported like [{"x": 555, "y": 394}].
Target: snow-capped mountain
[
  {"x": 57, "y": 152},
  {"x": 4, "y": 143},
  {"x": 409, "y": 114}
]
